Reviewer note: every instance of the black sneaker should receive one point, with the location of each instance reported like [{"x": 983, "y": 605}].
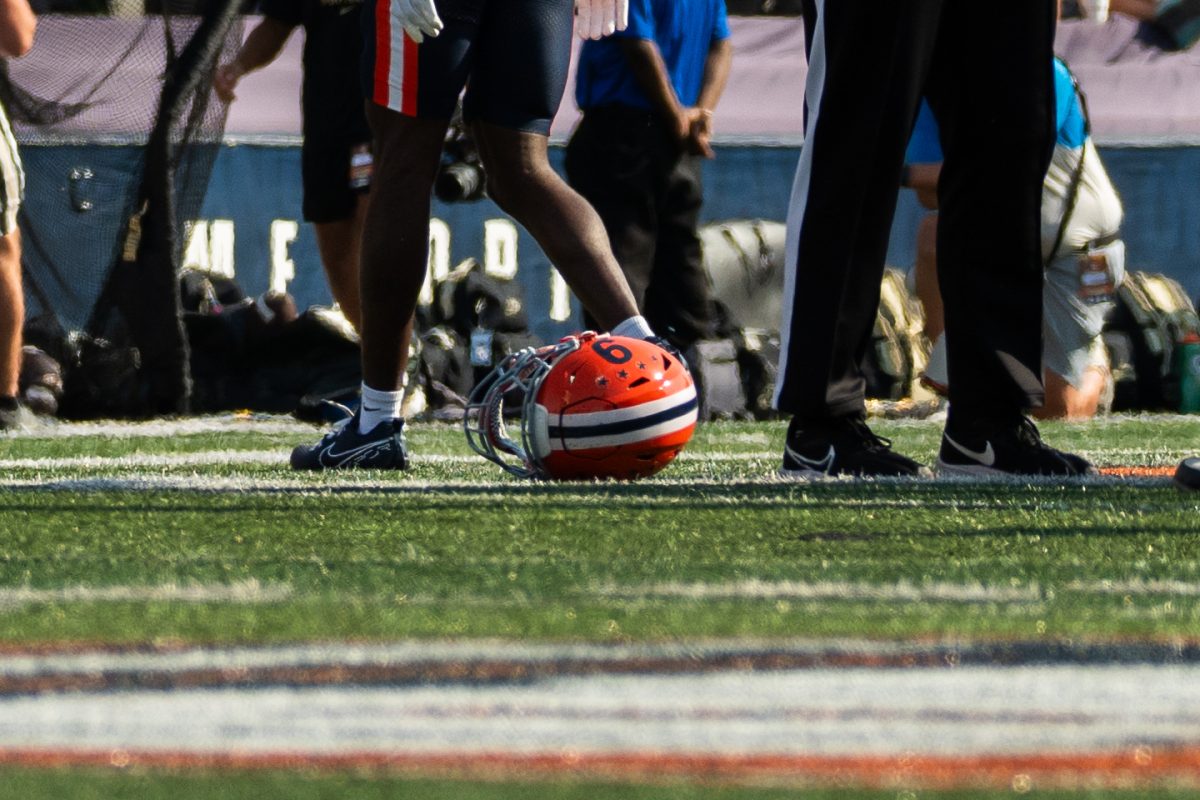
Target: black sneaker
[
  {"x": 382, "y": 448},
  {"x": 843, "y": 447},
  {"x": 1015, "y": 449}
]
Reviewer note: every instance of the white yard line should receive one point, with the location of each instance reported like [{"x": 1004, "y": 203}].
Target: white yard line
[
  {"x": 715, "y": 491},
  {"x": 903, "y": 591},
  {"x": 201, "y": 458},
  {"x": 240, "y": 592},
  {"x": 832, "y": 590},
  {"x": 860, "y": 712},
  {"x": 283, "y": 423},
  {"x": 163, "y": 428},
  {"x": 352, "y": 654},
  {"x": 277, "y": 457}
]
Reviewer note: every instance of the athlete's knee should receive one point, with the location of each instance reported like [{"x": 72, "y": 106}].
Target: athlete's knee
[{"x": 517, "y": 184}]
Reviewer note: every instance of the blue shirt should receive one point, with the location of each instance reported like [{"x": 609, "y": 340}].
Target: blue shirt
[
  {"x": 683, "y": 30},
  {"x": 925, "y": 146}
]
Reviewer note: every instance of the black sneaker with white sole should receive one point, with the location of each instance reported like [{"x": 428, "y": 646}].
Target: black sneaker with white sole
[
  {"x": 383, "y": 447},
  {"x": 843, "y": 447},
  {"x": 1013, "y": 449}
]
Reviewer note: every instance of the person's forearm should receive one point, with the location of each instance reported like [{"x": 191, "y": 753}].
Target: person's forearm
[
  {"x": 716, "y": 74},
  {"x": 263, "y": 44},
  {"x": 923, "y": 178},
  {"x": 17, "y": 26},
  {"x": 650, "y": 72}
]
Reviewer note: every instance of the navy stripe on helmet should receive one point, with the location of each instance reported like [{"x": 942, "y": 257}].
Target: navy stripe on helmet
[{"x": 624, "y": 426}]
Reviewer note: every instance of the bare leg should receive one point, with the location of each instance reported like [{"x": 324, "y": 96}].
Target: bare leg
[
  {"x": 340, "y": 244},
  {"x": 12, "y": 313},
  {"x": 1064, "y": 401},
  {"x": 568, "y": 229},
  {"x": 926, "y": 278},
  {"x": 395, "y": 242}
]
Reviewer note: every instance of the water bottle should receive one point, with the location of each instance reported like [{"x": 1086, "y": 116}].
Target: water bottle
[{"x": 1187, "y": 355}]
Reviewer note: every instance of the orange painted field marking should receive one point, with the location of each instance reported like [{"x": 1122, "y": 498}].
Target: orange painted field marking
[
  {"x": 1140, "y": 766},
  {"x": 1138, "y": 472}
]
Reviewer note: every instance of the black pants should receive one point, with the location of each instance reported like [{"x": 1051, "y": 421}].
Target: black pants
[
  {"x": 986, "y": 69},
  {"x": 648, "y": 193}
]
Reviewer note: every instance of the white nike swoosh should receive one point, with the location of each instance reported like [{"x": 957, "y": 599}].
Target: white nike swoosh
[
  {"x": 823, "y": 465},
  {"x": 361, "y": 451},
  {"x": 987, "y": 457}
]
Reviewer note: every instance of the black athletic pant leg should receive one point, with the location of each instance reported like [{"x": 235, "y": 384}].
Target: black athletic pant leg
[
  {"x": 678, "y": 301},
  {"x": 991, "y": 87},
  {"x": 867, "y": 65},
  {"x": 611, "y": 162}
]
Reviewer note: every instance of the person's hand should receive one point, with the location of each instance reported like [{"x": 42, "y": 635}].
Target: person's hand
[
  {"x": 226, "y": 80},
  {"x": 595, "y": 19},
  {"x": 699, "y": 138},
  {"x": 419, "y": 18}
]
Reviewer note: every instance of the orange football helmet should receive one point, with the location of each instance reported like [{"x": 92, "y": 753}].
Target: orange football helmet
[{"x": 593, "y": 406}]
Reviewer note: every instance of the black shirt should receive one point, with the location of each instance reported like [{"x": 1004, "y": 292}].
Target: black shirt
[{"x": 333, "y": 97}]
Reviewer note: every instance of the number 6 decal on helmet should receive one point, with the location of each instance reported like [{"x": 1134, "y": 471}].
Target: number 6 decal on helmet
[
  {"x": 591, "y": 407},
  {"x": 612, "y": 352}
]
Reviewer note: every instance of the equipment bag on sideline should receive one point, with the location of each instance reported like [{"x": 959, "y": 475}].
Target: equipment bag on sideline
[
  {"x": 744, "y": 262},
  {"x": 715, "y": 370},
  {"x": 1152, "y": 315},
  {"x": 899, "y": 349},
  {"x": 758, "y": 360}
]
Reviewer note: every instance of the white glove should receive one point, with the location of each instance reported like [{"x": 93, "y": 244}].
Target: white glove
[
  {"x": 419, "y": 18},
  {"x": 596, "y": 19}
]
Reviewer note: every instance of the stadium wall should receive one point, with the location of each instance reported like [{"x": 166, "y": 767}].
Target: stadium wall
[{"x": 251, "y": 220}]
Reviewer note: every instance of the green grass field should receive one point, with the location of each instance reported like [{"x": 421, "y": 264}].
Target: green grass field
[
  {"x": 203, "y": 535},
  {"x": 714, "y": 548},
  {"x": 105, "y": 785}
]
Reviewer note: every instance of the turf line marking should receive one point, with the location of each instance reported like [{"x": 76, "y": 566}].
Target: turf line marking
[
  {"x": 284, "y": 423},
  {"x": 165, "y": 428},
  {"x": 509, "y": 488},
  {"x": 279, "y": 457},
  {"x": 241, "y": 592},
  {"x": 902, "y": 591},
  {"x": 75, "y": 667},
  {"x": 1148, "y": 587},
  {"x": 143, "y": 460},
  {"x": 1058, "y": 721},
  {"x": 1125, "y": 769},
  {"x": 274, "y": 458},
  {"x": 833, "y": 590}
]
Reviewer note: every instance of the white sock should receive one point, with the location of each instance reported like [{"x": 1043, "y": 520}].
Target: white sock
[
  {"x": 378, "y": 406},
  {"x": 634, "y": 328}
]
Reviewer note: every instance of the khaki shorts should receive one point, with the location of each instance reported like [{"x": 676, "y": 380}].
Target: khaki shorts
[
  {"x": 12, "y": 178},
  {"x": 1079, "y": 295}
]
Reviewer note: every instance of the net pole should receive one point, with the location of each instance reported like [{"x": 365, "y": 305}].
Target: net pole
[{"x": 156, "y": 321}]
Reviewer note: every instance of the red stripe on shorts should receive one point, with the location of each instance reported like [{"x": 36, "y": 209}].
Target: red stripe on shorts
[{"x": 383, "y": 50}]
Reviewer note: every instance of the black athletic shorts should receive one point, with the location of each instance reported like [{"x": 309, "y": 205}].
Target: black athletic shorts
[
  {"x": 335, "y": 173},
  {"x": 511, "y": 55}
]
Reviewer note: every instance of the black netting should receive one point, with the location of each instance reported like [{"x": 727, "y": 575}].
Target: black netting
[{"x": 118, "y": 132}]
